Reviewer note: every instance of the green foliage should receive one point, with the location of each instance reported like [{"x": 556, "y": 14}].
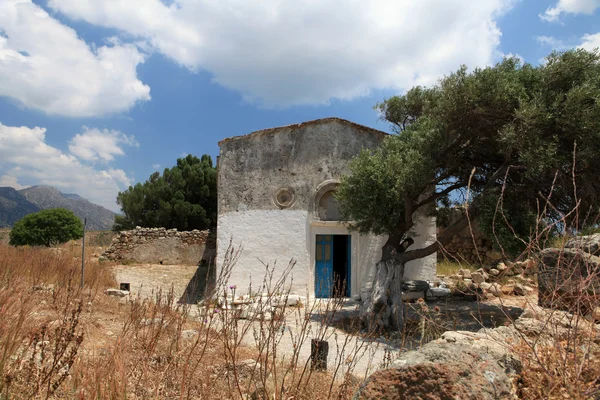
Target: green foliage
[
  {"x": 513, "y": 125},
  {"x": 183, "y": 197},
  {"x": 589, "y": 230},
  {"x": 46, "y": 228}
]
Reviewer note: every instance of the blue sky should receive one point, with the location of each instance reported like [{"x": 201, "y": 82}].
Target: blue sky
[{"x": 96, "y": 94}]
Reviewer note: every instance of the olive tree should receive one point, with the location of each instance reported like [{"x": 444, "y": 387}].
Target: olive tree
[{"x": 513, "y": 135}]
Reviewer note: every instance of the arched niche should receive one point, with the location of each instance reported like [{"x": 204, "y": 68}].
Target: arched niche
[{"x": 326, "y": 207}]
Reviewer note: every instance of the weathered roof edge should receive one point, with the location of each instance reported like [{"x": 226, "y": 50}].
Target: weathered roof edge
[{"x": 300, "y": 125}]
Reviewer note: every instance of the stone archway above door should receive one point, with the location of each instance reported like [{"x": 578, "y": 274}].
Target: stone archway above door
[{"x": 326, "y": 207}]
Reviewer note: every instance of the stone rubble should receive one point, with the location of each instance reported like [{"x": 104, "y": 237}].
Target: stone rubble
[
  {"x": 258, "y": 307},
  {"x": 519, "y": 279},
  {"x": 471, "y": 365}
]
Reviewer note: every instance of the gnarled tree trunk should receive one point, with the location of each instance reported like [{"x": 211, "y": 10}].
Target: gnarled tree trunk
[{"x": 383, "y": 308}]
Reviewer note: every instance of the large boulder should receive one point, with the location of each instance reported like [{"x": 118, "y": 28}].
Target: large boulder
[
  {"x": 568, "y": 279},
  {"x": 461, "y": 365},
  {"x": 589, "y": 244}
]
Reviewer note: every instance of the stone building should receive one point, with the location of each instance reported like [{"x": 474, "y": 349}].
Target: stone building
[{"x": 276, "y": 200}]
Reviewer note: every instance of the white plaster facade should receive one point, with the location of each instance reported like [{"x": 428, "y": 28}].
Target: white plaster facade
[{"x": 252, "y": 218}]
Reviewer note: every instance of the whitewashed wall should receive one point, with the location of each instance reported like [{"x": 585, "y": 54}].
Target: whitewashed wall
[
  {"x": 278, "y": 236},
  {"x": 425, "y": 268},
  {"x": 266, "y": 237}
]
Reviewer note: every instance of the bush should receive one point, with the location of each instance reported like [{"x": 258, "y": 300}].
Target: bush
[{"x": 46, "y": 228}]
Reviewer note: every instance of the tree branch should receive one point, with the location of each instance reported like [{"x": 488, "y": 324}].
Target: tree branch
[
  {"x": 453, "y": 229},
  {"x": 436, "y": 195},
  {"x": 442, "y": 240}
]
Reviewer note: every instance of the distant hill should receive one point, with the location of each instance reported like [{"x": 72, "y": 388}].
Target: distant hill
[
  {"x": 13, "y": 206},
  {"x": 16, "y": 204}
]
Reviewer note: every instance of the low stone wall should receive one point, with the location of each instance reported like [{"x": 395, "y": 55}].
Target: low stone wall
[
  {"x": 466, "y": 246},
  {"x": 162, "y": 246}
]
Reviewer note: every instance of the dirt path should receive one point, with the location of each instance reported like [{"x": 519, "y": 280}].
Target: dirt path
[{"x": 147, "y": 279}]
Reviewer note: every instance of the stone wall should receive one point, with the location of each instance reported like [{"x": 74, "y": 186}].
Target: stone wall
[
  {"x": 466, "y": 246},
  {"x": 162, "y": 246}
]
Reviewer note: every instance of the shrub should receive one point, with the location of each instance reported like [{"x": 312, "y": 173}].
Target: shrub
[{"x": 46, "y": 228}]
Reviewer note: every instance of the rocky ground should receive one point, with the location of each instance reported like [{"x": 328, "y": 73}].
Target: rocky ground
[
  {"x": 489, "y": 282},
  {"x": 370, "y": 353}
]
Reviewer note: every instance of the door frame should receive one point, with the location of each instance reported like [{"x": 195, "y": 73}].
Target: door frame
[{"x": 334, "y": 228}]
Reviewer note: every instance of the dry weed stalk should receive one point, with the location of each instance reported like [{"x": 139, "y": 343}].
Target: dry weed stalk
[{"x": 271, "y": 320}]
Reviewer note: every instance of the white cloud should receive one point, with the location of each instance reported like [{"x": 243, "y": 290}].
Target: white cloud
[
  {"x": 280, "y": 53},
  {"x": 552, "y": 42},
  {"x": 25, "y": 150},
  {"x": 590, "y": 42},
  {"x": 10, "y": 181},
  {"x": 94, "y": 144},
  {"x": 44, "y": 65},
  {"x": 155, "y": 166},
  {"x": 587, "y": 7}
]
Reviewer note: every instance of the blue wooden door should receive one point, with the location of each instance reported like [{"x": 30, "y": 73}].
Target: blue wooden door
[{"x": 324, "y": 265}]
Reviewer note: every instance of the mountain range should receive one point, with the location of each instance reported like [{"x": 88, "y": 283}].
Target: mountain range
[{"x": 15, "y": 204}]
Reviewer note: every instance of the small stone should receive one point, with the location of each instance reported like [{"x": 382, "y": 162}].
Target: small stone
[
  {"x": 495, "y": 289},
  {"x": 479, "y": 276},
  {"x": 489, "y": 296},
  {"x": 152, "y": 321},
  {"x": 291, "y": 300},
  {"x": 501, "y": 267},
  {"x": 596, "y": 314},
  {"x": 494, "y": 272},
  {"x": 519, "y": 290},
  {"x": 465, "y": 273},
  {"x": 116, "y": 292},
  {"x": 485, "y": 285},
  {"x": 518, "y": 269},
  {"x": 507, "y": 290},
  {"x": 44, "y": 287},
  {"x": 438, "y": 292},
  {"x": 189, "y": 333},
  {"x": 531, "y": 267}
]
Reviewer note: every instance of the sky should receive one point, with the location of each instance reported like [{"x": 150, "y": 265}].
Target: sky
[{"x": 96, "y": 95}]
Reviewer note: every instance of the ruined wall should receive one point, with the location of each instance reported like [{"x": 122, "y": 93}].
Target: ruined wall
[
  {"x": 465, "y": 247},
  {"x": 254, "y": 168},
  {"x": 162, "y": 246},
  {"x": 469, "y": 245}
]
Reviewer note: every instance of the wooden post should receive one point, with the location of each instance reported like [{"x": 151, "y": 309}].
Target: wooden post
[
  {"x": 83, "y": 252},
  {"x": 318, "y": 354}
]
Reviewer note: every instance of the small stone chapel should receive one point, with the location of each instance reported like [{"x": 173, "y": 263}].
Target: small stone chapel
[{"x": 276, "y": 200}]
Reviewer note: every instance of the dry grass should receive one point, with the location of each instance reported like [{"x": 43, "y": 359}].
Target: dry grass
[
  {"x": 447, "y": 267},
  {"x": 561, "y": 357},
  {"x": 58, "y": 340}
]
